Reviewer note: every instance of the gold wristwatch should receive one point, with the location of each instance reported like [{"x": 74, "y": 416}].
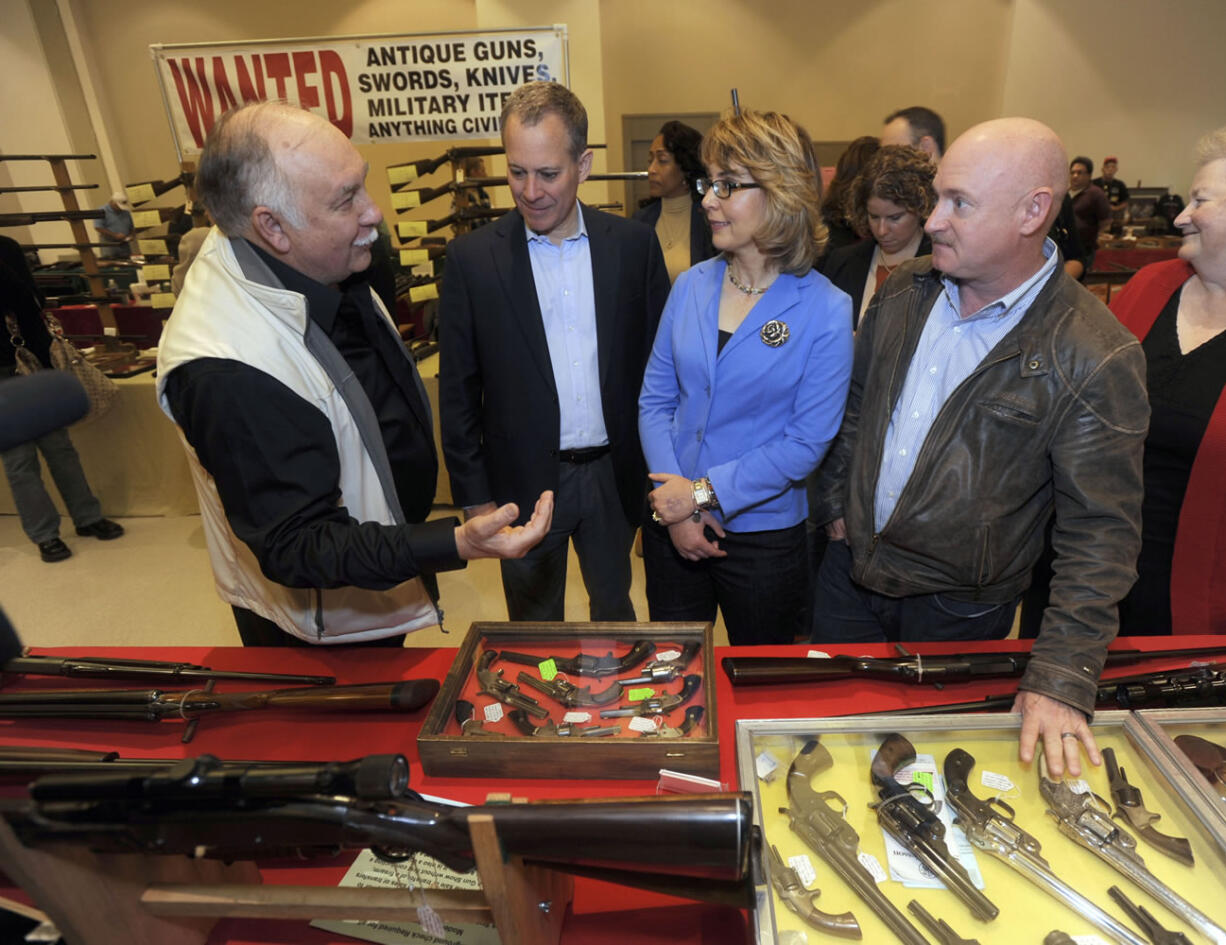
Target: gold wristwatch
[{"x": 704, "y": 495}]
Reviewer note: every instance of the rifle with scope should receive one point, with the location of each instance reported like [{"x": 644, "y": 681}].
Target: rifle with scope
[{"x": 696, "y": 846}]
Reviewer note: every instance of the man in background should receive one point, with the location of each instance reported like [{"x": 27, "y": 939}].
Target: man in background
[
  {"x": 546, "y": 320},
  {"x": 115, "y": 227},
  {"x": 1090, "y": 204},
  {"x": 917, "y": 126},
  {"x": 1112, "y": 186}
]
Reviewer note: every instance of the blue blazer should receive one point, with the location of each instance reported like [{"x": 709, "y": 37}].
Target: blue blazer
[{"x": 755, "y": 419}]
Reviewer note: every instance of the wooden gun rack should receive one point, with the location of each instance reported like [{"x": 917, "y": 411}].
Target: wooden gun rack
[{"x": 134, "y": 899}]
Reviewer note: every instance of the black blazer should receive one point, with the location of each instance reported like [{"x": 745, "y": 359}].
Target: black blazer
[
  {"x": 847, "y": 268},
  {"x": 701, "y": 246},
  {"x": 498, "y": 403}
]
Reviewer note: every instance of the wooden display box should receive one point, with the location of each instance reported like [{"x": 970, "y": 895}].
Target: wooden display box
[{"x": 446, "y": 750}]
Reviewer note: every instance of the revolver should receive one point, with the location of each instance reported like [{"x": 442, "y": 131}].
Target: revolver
[
  {"x": 791, "y": 891},
  {"x": 1083, "y": 818},
  {"x": 1130, "y": 809},
  {"x": 551, "y": 729},
  {"x": 989, "y": 826},
  {"x": 658, "y": 705},
  {"x": 665, "y": 671},
  {"x": 585, "y": 665},
  {"x": 914, "y": 823},
  {"x": 493, "y": 685},
  {"x": 568, "y": 694},
  {"x": 693, "y": 716},
  {"x": 828, "y": 834}
]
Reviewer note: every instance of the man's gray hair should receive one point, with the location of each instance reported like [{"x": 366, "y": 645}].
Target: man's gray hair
[
  {"x": 532, "y": 102},
  {"x": 1212, "y": 147},
  {"x": 238, "y": 172}
]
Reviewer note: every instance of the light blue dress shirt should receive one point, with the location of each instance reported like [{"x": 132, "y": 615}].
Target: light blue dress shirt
[
  {"x": 563, "y": 277},
  {"x": 950, "y": 348}
]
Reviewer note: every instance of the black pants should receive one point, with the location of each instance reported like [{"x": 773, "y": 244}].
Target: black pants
[{"x": 761, "y": 587}]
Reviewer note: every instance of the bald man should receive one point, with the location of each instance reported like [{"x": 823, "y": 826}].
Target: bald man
[
  {"x": 990, "y": 393},
  {"x": 306, "y": 424}
]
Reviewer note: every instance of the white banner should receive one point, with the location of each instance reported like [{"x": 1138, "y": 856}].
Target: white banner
[{"x": 426, "y": 87}]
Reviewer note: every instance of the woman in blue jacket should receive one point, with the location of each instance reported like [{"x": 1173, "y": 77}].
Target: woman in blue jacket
[{"x": 744, "y": 391}]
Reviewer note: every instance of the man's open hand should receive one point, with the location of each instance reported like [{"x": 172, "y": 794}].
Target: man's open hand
[
  {"x": 490, "y": 535},
  {"x": 1064, "y": 731}
]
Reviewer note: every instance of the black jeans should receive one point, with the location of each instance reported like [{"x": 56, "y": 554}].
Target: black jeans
[
  {"x": 255, "y": 630},
  {"x": 845, "y": 612},
  {"x": 761, "y": 587}
]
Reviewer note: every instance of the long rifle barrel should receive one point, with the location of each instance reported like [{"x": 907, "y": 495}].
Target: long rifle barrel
[
  {"x": 96, "y": 667},
  {"x": 916, "y": 668}
]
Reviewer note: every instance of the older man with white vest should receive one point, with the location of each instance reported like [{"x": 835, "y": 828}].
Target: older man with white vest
[{"x": 306, "y": 424}]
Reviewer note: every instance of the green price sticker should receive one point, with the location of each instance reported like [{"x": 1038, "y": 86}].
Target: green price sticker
[
  {"x": 638, "y": 695},
  {"x": 548, "y": 669}
]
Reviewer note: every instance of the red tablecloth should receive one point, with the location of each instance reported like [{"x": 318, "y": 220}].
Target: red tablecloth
[
  {"x": 600, "y": 912},
  {"x": 1108, "y": 260}
]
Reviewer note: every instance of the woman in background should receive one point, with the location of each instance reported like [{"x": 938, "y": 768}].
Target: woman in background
[
  {"x": 744, "y": 391},
  {"x": 890, "y": 199},
  {"x": 835, "y": 202},
  {"x": 675, "y": 209},
  {"x": 1178, "y": 310}
]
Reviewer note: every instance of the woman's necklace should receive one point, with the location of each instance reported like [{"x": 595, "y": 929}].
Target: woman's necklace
[{"x": 747, "y": 289}]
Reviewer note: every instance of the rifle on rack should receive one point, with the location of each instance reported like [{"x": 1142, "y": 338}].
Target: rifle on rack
[
  {"x": 426, "y": 194},
  {"x": 411, "y": 170},
  {"x": 153, "y": 705},
  {"x": 47, "y": 216},
  {"x": 98, "y": 667},
  {"x": 914, "y": 668},
  {"x": 158, "y": 187},
  {"x": 912, "y": 821},
  {"x": 192, "y": 809},
  {"x": 1203, "y": 686}
]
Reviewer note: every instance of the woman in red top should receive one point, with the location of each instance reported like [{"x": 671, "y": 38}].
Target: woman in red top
[{"x": 1178, "y": 310}]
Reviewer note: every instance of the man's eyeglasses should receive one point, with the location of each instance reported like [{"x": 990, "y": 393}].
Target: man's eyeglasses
[{"x": 723, "y": 188}]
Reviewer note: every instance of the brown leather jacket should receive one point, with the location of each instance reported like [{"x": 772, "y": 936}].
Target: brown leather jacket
[{"x": 1054, "y": 419}]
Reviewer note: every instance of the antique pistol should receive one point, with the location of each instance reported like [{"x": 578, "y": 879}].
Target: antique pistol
[
  {"x": 493, "y": 685},
  {"x": 1152, "y": 928},
  {"x": 693, "y": 716},
  {"x": 585, "y": 665},
  {"x": 666, "y": 671},
  {"x": 1208, "y": 757},
  {"x": 941, "y": 930},
  {"x": 1082, "y": 818},
  {"x": 829, "y": 835},
  {"x": 914, "y": 823},
  {"x": 568, "y": 694},
  {"x": 470, "y": 724},
  {"x": 989, "y": 826},
  {"x": 551, "y": 729},
  {"x": 658, "y": 705},
  {"x": 791, "y": 891},
  {"x": 1130, "y": 808}
]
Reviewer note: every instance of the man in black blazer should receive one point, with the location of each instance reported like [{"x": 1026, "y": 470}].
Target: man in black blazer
[{"x": 545, "y": 324}]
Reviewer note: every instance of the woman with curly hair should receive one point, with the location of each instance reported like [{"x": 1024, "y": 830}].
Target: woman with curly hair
[
  {"x": 744, "y": 391},
  {"x": 890, "y": 199},
  {"x": 675, "y": 207}
]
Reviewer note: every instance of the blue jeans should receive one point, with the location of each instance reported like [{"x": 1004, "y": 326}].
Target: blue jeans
[
  {"x": 761, "y": 586},
  {"x": 845, "y": 612},
  {"x": 39, "y": 518}
]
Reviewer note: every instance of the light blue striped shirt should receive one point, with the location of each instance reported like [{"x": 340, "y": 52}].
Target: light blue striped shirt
[
  {"x": 563, "y": 276},
  {"x": 950, "y": 348}
]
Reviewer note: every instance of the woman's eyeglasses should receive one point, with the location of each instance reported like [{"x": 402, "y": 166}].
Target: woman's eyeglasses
[{"x": 723, "y": 188}]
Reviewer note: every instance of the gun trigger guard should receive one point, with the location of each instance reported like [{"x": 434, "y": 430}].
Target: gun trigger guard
[
  {"x": 825, "y": 796},
  {"x": 1101, "y": 804},
  {"x": 1001, "y": 809},
  {"x": 921, "y": 793}
]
